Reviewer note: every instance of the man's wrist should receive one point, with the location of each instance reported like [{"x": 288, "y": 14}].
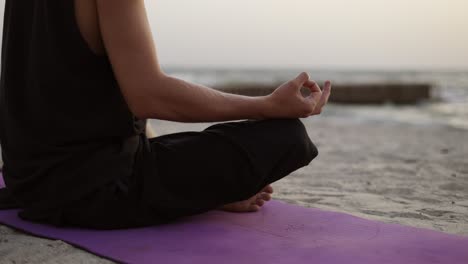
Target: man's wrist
[{"x": 264, "y": 107}]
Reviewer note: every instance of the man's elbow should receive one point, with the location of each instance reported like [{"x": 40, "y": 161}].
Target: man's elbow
[
  {"x": 143, "y": 97},
  {"x": 151, "y": 109},
  {"x": 140, "y": 112},
  {"x": 139, "y": 104}
]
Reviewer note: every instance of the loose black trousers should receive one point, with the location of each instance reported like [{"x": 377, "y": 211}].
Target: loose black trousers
[{"x": 198, "y": 171}]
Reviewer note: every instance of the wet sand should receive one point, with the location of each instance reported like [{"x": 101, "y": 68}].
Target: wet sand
[{"x": 415, "y": 175}]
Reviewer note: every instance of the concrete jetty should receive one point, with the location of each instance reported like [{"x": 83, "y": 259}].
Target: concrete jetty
[{"x": 366, "y": 93}]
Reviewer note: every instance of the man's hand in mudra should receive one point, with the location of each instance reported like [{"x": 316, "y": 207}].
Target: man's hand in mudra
[{"x": 288, "y": 102}]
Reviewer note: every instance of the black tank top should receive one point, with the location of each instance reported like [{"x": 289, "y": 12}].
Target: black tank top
[{"x": 65, "y": 128}]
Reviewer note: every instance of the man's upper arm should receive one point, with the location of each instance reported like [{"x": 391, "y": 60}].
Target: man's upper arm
[{"x": 129, "y": 45}]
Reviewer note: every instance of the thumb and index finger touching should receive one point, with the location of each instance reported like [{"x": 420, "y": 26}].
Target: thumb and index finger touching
[{"x": 302, "y": 80}]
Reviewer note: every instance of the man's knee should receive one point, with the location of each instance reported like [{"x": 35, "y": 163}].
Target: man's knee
[
  {"x": 311, "y": 151},
  {"x": 302, "y": 141}
]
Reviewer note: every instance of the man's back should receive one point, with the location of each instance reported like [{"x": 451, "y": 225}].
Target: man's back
[{"x": 65, "y": 127}]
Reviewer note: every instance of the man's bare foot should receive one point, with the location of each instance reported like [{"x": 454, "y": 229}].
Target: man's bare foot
[{"x": 252, "y": 204}]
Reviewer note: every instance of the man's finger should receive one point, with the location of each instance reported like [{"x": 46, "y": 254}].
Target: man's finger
[
  {"x": 300, "y": 79},
  {"x": 327, "y": 90},
  {"x": 314, "y": 98},
  {"x": 325, "y": 95},
  {"x": 312, "y": 86},
  {"x": 315, "y": 91}
]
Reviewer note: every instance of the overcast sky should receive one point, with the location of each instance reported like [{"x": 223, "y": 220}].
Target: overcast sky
[
  {"x": 325, "y": 34},
  {"x": 369, "y": 34}
]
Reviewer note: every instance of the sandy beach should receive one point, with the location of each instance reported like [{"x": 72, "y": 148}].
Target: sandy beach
[{"x": 411, "y": 174}]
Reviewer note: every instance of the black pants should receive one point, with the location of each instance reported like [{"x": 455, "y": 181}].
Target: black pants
[{"x": 195, "y": 172}]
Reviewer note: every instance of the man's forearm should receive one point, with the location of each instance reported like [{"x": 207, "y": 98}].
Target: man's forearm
[{"x": 178, "y": 100}]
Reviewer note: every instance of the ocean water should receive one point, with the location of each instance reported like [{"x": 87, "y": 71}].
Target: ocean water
[{"x": 448, "y": 105}]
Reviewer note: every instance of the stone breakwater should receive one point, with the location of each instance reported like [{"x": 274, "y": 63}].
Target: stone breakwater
[{"x": 365, "y": 93}]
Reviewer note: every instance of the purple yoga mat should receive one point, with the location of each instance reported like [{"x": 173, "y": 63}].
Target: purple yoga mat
[{"x": 278, "y": 233}]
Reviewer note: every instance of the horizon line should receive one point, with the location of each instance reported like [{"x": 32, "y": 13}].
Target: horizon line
[{"x": 314, "y": 68}]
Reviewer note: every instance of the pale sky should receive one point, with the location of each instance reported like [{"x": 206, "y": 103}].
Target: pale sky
[{"x": 349, "y": 34}]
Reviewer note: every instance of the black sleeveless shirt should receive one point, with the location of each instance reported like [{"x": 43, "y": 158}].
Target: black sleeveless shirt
[{"x": 65, "y": 128}]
